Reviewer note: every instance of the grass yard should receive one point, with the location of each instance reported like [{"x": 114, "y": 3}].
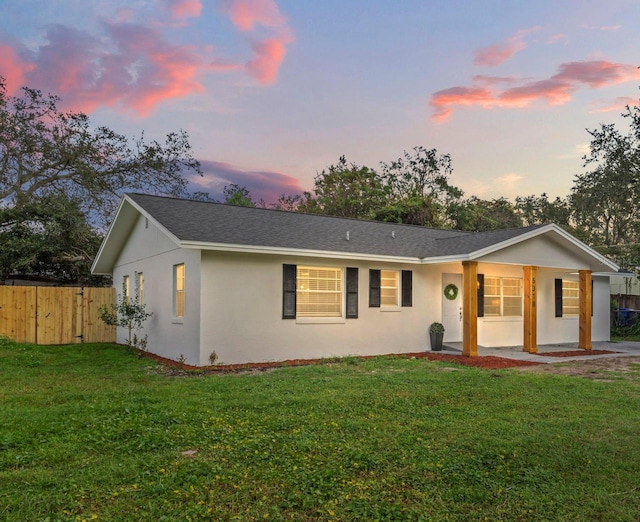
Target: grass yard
[{"x": 91, "y": 432}]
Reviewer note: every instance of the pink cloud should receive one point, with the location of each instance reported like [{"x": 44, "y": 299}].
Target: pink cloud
[
  {"x": 442, "y": 101},
  {"x": 182, "y": 9},
  {"x": 247, "y": 14},
  {"x": 555, "y": 90},
  {"x": 269, "y": 54},
  {"x": 141, "y": 70},
  {"x": 616, "y": 105},
  {"x": 13, "y": 68},
  {"x": 134, "y": 66},
  {"x": 496, "y": 54},
  {"x": 597, "y": 73}
]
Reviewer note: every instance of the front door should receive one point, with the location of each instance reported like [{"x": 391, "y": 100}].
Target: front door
[{"x": 452, "y": 307}]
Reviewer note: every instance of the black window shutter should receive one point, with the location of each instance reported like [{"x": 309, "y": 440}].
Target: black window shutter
[
  {"x": 374, "y": 288},
  {"x": 289, "y": 291},
  {"x": 592, "y": 298},
  {"x": 352, "y": 293},
  {"x": 480, "y": 286},
  {"x": 407, "y": 288},
  {"x": 558, "y": 297}
]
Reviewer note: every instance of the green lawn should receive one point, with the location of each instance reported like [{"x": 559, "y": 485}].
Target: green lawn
[{"x": 91, "y": 432}]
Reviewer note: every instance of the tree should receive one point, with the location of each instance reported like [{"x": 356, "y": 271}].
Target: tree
[
  {"x": 538, "y": 210},
  {"x": 606, "y": 200},
  {"x": 61, "y": 179},
  {"x": 413, "y": 210},
  {"x": 421, "y": 179},
  {"x": 50, "y": 237},
  {"x": 44, "y": 152},
  {"x": 346, "y": 190},
  {"x": 288, "y": 202},
  {"x": 479, "y": 215},
  {"x": 237, "y": 195},
  {"x": 127, "y": 313}
]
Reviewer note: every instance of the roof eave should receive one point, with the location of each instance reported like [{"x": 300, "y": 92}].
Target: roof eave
[{"x": 329, "y": 254}]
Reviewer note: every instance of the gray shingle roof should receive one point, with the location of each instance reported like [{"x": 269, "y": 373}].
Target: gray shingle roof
[{"x": 197, "y": 221}]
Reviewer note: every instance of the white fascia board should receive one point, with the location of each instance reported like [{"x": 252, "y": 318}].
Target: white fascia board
[
  {"x": 459, "y": 258},
  {"x": 252, "y": 249}
]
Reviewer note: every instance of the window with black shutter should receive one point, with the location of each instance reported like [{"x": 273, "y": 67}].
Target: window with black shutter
[
  {"x": 352, "y": 293},
  {"x": 289, "y": 291},
  {"x": 480, "y": 285},
  {"x": 407, "y": 288},
  {"x": 374, "y": 288}
]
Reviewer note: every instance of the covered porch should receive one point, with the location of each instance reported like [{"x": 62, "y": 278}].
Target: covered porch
[{"x": 473, "y": 294}]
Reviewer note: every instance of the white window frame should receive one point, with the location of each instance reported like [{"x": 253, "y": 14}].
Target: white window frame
[
  {"x": 390, "y": 298},
  {"x": 126, "y": 287},
  {"x": 501, "y": 297},
  {"x": 570, "y": 298},
  {"x": 179, "y": 282},
  {"x": 140, "y": 287},
  {"x": 309, "y": 283}
]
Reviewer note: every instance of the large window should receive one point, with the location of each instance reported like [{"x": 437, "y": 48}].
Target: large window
[
  {"x": 502, "y": 297},
  {"x": 178, "y": 287},
  {"x": 318, "y": 292},
  {"x": 389, "y": 288}
]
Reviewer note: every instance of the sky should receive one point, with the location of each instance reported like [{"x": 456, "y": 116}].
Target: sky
[{"x": 271, "y": 92}]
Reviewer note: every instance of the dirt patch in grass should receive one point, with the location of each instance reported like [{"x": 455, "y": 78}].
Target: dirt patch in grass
[{"x": 602, "y": 369}]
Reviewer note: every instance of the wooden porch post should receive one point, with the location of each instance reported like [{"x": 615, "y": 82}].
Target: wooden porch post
[
  {"x": 470, "y": 308},
  {"x": 530, "y": 337},
  {"x": 586, "y": 299}
]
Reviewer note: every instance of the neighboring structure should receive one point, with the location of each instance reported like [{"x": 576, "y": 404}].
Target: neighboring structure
[
  {"x": 240, "y": 284},
  {"x": 625, "y": 283}
]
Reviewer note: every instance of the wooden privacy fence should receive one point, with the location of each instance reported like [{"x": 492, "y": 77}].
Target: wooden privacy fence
[{"x": 55, "y": 315}]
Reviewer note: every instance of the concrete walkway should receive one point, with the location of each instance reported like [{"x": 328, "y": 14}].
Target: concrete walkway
[{"x": 623, "y": 349}]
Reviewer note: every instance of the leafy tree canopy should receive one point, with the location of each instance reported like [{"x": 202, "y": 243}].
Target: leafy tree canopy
[
  {"x": 48, "y": 237},
  {"x": 479, "y": 215},
  {"x": 59, "y": 178},
  {"x": 345, "y": 190},
  {"x": 606, "y": 200},
  {"x": 237, "y": 195},
  {"x": 44, "y": 152}
]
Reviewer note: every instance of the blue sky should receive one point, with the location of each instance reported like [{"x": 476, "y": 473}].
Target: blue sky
[{"x": 273, "y": 91}]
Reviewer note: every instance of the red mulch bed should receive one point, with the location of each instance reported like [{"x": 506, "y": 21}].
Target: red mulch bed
[
  {"x": 576, "y": 353},
  {"x": 488, "y": 362}
]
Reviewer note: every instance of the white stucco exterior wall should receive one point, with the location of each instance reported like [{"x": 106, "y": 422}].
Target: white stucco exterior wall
[
  {"x": 150, "y": 251},
  {"x": 242, "y": 313}
]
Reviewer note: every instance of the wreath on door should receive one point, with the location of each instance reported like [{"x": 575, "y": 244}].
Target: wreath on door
[{"x": 451, "y": 292}]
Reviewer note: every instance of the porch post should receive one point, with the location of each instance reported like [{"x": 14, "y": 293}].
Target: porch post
[
  {"x": 530, "y": 337},
  {"x": 586, "y": 300},
  {"x": 470, "y": 308}
]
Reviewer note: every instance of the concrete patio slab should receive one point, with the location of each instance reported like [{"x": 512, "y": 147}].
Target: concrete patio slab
[{"x": 621, "y": 349}]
